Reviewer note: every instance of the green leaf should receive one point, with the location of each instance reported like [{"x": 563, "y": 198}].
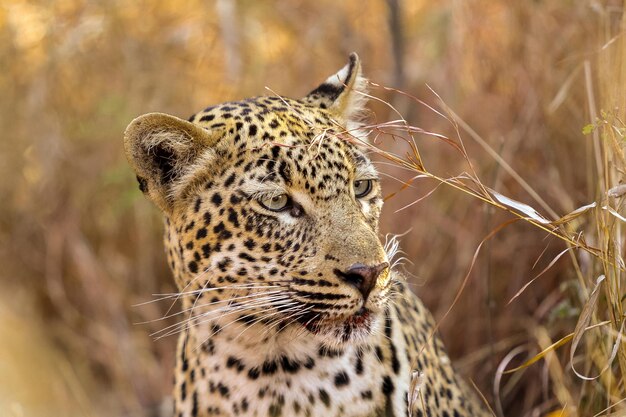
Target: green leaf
[{"x": 587, "y": 129}]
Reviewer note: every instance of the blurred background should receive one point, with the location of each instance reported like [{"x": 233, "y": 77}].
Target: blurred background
[{"x": 80, "y": 247}]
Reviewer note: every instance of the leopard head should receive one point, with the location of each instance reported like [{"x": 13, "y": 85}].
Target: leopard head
[{"x": 271, "y": 210}]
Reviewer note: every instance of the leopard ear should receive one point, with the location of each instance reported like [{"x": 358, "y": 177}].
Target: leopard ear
[
  {"x": 343, "y": 93},
  {"x": 161, "y": 149}
]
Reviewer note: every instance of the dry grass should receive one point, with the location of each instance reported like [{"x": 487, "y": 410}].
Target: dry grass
[
  {"x": 587, "y": 377},
  {"x": 598, "y": 221},
  {"x": 516, "y": 83}
]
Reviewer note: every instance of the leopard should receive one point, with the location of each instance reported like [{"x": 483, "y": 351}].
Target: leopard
[{"x": 290, "y": 304}]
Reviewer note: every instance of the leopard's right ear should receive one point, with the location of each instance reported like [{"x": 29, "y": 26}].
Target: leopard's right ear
[
  {"x": 343, "y": 94},
  {"x": 161, "y": 149}
]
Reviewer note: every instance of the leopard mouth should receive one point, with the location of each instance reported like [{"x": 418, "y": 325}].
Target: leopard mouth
[
  {"x": 361, "y": 321},
  {"x": 360, "y": 318}
]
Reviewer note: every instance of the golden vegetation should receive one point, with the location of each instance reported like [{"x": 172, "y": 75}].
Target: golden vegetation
[{"x": 525, "y": 102}]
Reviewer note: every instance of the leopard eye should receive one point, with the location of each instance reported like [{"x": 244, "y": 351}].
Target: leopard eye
[
  {"x": 362, "y": 188},
  {"x": 276, "y": 203}
]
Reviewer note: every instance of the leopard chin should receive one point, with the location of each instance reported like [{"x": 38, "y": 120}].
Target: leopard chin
[{"x": 356, "y": 328}]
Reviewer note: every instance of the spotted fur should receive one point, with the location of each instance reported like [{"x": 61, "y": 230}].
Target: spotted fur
[{"x": 290, "y": 312}]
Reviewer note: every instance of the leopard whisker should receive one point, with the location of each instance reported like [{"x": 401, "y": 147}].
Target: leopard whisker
[
  {"x": 282, "y": 297},
  {"x": 303, "y": 330},
  {"x": 298, "y": 313},
  {"x": 209, "y": 304},
  {"x": 195, "y": 301},
  {"x": 203, "y": 290},
  {"x": 392, "y": 248},
  {"x": 257, "y": 303},
  {"x": 235, "y": 321},
  {"x": 276, "y": 322},
  {"x": 293, "y": 317},
  {"x": 198, "y": 276},
  {"x": 202, "y": 319},
  {"x": 243, "y": 286},
  {"x": 380, "y": 333}
]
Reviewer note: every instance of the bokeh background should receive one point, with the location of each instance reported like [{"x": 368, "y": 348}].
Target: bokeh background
[{"x": 80, "y": 247}]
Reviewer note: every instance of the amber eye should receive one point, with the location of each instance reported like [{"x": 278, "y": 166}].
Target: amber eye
[
  {"x": 276, "y": 203},
  {"x": 362, "y": 188}
]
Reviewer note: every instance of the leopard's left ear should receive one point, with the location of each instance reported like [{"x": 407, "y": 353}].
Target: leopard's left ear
[{"x": 342, "y": 93}]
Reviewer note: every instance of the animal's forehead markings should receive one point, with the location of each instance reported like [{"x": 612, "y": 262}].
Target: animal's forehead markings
[
  {"x": 288, "y": 139},
  {"x": 288, "y": 146},
  {"x": 275, "y": 116},
  {"x": 259, "y": 108}
]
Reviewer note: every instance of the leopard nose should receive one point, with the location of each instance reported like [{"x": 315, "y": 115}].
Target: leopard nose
[{"x": 362, "y": 277}]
